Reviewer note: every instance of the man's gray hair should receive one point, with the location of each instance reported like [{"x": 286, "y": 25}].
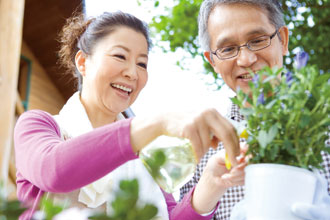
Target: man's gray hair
[{"x": 273, "y": 8}]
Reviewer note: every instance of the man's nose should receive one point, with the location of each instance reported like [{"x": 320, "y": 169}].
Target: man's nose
[{"x": 246, "y": 57}]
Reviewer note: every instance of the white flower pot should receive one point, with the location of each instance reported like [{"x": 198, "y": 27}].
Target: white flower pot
[{"x": 271, "y": 189}]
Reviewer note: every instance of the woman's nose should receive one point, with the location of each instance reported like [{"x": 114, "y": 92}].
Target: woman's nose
[{"x": 131, "y": 72}]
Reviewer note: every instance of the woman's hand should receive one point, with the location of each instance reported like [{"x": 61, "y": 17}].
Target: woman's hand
[
  {"x": 204, "y": 129},
  {"x": 216, "y": 179}
]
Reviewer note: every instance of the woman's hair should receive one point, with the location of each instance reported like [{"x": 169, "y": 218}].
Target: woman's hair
[
  {"x": 272, "y": 7},
  {"x": 81, "y": 34}
]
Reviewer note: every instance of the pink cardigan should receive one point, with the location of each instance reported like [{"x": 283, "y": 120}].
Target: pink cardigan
[{"x": 46, "y": 163}]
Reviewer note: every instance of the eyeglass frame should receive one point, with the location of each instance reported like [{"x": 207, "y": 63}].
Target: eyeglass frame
[{"x": 246, "y": 45}]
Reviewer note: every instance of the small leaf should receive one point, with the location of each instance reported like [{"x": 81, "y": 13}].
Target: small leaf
[
  {"x": 236, "y": 101},
  {"x": 50, "y": 209},
  {"x": 160, "y": 158},
  {"x": 262, "y": 138},
  {"x": 246, "y": 111},
  {"x": 304, "y": 121},
  {"x": 272, "y": 133},
  {"x": 148, "y": 212},
  {"x": 288, "y": 145},
  {"x": 270, "y": 104}
]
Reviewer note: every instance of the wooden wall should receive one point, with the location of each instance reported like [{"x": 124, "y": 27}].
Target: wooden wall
[
  {"x": 11, "y": 23},
  {"x": 43, "y": 93}
]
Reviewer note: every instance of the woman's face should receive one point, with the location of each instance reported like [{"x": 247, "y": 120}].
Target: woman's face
[{"x": 116, "y": 72}]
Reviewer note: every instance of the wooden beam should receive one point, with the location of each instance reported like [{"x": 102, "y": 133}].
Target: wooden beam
[
  {"x": 19, "y": 106},
  {"x": 11, "y": 25}
]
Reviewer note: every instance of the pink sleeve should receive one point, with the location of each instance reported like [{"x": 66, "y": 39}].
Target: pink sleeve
[
  {"x": 183, "y": 210},
  {"x": 58, "y": 166}
]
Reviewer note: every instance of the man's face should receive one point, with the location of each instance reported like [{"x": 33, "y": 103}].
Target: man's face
[{"x": 234, "y": 25}]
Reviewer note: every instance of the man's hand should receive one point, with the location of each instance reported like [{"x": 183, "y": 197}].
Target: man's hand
[
  {"x": 320, "y": 209},
  {"x": 215, "y": 181}
]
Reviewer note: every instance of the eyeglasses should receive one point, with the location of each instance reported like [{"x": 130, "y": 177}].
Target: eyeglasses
[{"x": 255, "y": 44}]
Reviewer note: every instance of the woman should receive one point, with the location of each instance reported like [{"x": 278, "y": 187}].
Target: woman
[{"x": 83, "y": 152}]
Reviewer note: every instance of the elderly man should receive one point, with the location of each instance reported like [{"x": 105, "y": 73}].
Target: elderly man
[{"x": 238, "y": 36}]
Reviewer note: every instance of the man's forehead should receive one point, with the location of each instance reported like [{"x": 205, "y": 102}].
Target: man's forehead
[
  {"x": 226, "y": 12},
  {"x": 228, "y": 22}
]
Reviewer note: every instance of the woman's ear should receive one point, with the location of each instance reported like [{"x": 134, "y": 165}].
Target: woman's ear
[
  {"x": 80, "y": 60},
  {"x": 284, "y": 33}
]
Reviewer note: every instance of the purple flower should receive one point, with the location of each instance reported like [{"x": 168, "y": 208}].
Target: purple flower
[
  {"x": 255, "y": 80},
  {"x": 288, "y": 77},
  {"x": 301, "y": 59},
  {"x": 261, "y": 99}
]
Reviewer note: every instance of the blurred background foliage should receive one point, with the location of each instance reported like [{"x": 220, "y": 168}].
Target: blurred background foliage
[{"x": 308, "y": 22}]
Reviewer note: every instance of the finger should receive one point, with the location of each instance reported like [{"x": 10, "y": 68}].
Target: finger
[
  {"x": 229, "y": 138},
  {"x": 242, "y": 164},
  {"x": 234, "y": 180},
  {"x": 196, "y": 143},
  {"x": 205, "y": 135},
  {"x": 244, "y": 147},
  {"x": 224, "y": 131},
  {"x": 237, "y": 172}
]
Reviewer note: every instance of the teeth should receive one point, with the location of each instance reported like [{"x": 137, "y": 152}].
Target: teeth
[
  {"x": 247, "y": 76},
  {"x": 122, "y": 88}
]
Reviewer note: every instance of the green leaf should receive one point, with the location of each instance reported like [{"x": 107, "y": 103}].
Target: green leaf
[
  {"x": 50, "y": 209},
  {"x": 289, "y": 146},
  {"x": 236, "y": 101},
  {"x": 148, "y": 212},
  {"x": 327, "y": 149},
  {"x": 272, "y": 133},
  {"x": 262, "y": 138},
  {"x": 305, "y": 120},
  {"x": 155, "y": 161},
  {"x": 270, "y": 104},
  {"x": 246, "y": 111},
  {"x": 125, "y": 205},
  {"x": 274, "y": 152}
]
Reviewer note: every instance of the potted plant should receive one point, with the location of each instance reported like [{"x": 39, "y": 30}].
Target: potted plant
[{"x": 288, "y": 121}]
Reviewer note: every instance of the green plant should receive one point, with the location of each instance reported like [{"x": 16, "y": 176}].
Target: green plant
[
  {"x": 288, "y": 117},
  {"x": 9, "y": 210},
  {"x": 49, "y": 208},
  {"x": 126, "y": 205},
  {"x": 154, "y": 162}
]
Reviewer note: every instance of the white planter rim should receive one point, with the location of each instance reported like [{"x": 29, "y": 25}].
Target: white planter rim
[{"x": 277, "y": 166}]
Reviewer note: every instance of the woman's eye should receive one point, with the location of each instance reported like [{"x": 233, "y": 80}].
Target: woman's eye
[
  {"x": 120, "y": 56},
  {"x": 143, "y": 65}
]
